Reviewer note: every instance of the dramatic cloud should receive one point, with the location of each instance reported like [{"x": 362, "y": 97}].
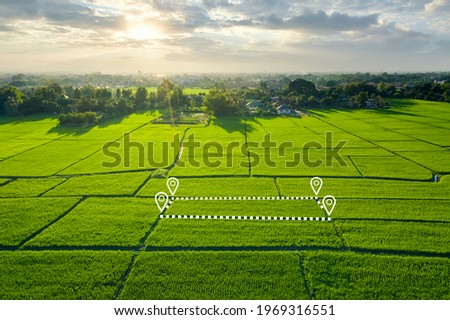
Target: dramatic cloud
[{"x": 224, "y": 35}]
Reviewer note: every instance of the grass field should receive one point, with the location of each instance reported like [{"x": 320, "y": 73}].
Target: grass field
[{"x": 74, "y": 229}]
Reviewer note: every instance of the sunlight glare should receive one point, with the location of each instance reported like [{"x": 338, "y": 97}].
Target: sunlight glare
[{"x": 143, "y": 32}]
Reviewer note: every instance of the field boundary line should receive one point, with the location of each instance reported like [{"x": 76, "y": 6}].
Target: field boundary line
[
  {"x": 316, "y": 133},
  {"x": 140, "y": 249},
  {"x": 52, "y": 188},
  {"x": 36, "y": 233},
  {"x": 356, "y": 167},
  {"x": 142, "y": 185},
  {"x": 32, "y": 148},
  {"x": 394, "y": 220},
  {"x": 290, "y": 248},
  {"x": 275, "y": 181},
  {"x": 255, "y": 120},
  {"x": 81, "y": 248},
  {"x": 340, "y": 177},
  {"x": 407, "y": 135},
  {"x": 338, "y": 232},
  {"x": 300, "y": 248},
  {"x": 294, "y": 249},
  {"x": 180, "y": 152},
  {"x": 402, "y": 252},
  {"x": 293, "y": 122},
  {"x": 246, "y": 147},
  {"x": 142, "y": 241},
  {"x": 378, "y": 146},
  {"x": 301, "y": 264},
  {"x": 79, "y": 174},
  {"x": 108, "y": 144},
  {"x": 125, "y": 276},
  {"x": 8, "y": 181},
  {"x": 432, "y": 124},
  {"x": 404, "y": 134}
]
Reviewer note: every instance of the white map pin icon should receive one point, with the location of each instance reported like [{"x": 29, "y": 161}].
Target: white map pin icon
[
  {"x": 316, "y": 184},
  {"x": 328, "y": 203},
  {"x": 172, "y": 185},
  {"x": 161, "y": 200}
]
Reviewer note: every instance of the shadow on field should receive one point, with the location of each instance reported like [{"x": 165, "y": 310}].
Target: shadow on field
[
  {"x": 24, "y": 119},
  {"x": 230, "y": 124},
  {"x": 77, "y": 129},
  {"x": 70, "y": 130},
  {"x": 394, "y": 109}
]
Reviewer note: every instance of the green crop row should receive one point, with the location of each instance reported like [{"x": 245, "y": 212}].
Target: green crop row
[
  {"x": 353, "y": 276},
  {"x": 107, "y": 184},
  {"x": 28, "y": 187},
  {"x": 220, "y": 187},
  {"x": 385, "y": 209},
  {"x": 396, "y": 235},
  {"x": 101, "y": 222},
  {"x": 221, "y": 275},
  {"x": 370, "y": 188},
  {"x": 20, "y": 218},
  {"x": 148, "y": 147},
  {"x": 262, "y": 208},
  {"x": 215, "y": 275},
  {"x": 243, "y": 233},
  {"x": 48, "y": 275}
]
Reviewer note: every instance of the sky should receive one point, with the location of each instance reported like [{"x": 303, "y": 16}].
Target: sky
[{"x": 225, "y": 36}]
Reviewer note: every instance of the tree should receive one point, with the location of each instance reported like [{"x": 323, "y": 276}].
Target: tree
[
  {"x": 163, "y": 90},
  {"x": 353, "y": 88},
  {"x": 10, "y": 97},
  {"x": 102, "y": 94},
  {"x": 446, "y": 95},
  {"x": 118, "y": 93},
  {"x": 360, "y": 99},
  {"x": 301, "y": 86},
  {"x": 170, "y": 96},
  {"x": 220, "y": 103},
  {"x": 263, "y": 87},
  {"x": 140, "y": 97},
  {"x": 124, "y": 106},
  {"x": 386, "y": 89},
  {"x": 127, "y": 93},
  {"x": 11, "y": 107}
]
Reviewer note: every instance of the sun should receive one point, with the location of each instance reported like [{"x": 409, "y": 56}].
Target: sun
[{"x": 143, "y": 32}]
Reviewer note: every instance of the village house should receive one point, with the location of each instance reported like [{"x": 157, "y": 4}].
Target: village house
[
  {"x": 254, "y": 106},
  {"x": 284, "y": 109}
]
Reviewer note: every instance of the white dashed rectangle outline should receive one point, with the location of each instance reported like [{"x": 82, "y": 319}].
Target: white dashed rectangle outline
[{"x": 255, "y": 218}]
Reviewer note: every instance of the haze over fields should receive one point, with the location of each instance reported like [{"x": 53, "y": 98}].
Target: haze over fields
[{"x": 224, "y": 36}]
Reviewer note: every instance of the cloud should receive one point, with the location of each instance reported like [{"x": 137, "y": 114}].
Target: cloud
[
  {"x": 211, "y": 35},
  {"x": 4, "y": 28},
  {"x": 320, "y": 21},
  {"x": 438, "y": 5},
  {"x": 61, "y": 13}
]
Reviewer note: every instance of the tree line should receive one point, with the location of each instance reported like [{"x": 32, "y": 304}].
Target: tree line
[{"x": 90, "y": 104}]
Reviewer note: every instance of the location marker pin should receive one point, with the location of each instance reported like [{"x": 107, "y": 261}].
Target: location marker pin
[
  {"x": 172, "y": 185},
  {"x": 328, "y": 203},
  {"x": 161, "y": 200},
  {"x": 316, "y": 184}
]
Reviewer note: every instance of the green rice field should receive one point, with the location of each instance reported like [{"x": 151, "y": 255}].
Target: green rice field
[{"x": 73, "y": 225}]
